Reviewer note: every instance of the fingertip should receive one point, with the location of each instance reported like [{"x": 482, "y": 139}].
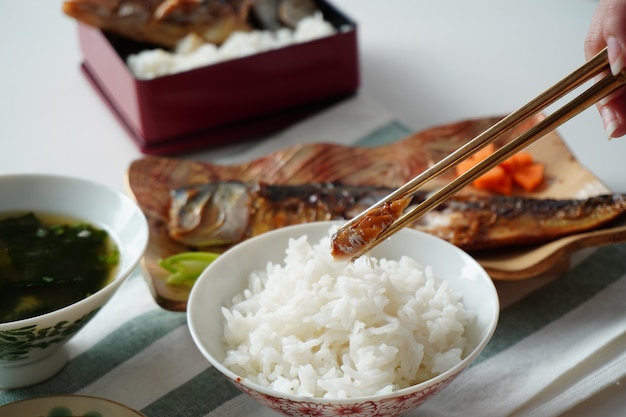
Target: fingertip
[
  {"x": 616, "y": 57},
  {"x": 610, "y": 122}
]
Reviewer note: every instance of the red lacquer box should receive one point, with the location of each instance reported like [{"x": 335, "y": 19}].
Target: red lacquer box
[{"x": 225, "y": 102}]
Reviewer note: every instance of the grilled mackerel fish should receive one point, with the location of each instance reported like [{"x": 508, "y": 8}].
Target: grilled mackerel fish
[{"x": 221, "y": 214}]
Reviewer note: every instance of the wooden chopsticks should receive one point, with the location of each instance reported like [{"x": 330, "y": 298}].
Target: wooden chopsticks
[{"x": 351, "y": 232}]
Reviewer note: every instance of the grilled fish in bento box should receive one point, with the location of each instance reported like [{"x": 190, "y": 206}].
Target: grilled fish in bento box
[{"x": 167, "y": 22}]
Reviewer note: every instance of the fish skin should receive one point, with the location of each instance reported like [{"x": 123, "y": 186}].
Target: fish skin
[
  {"x": 473, "y": 223},
  {"x": 235, "y": 211},
  {"x": 488, "y": 222}
]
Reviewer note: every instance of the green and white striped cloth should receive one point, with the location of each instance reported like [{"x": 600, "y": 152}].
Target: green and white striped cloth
[{"x": 553, "y": 348}]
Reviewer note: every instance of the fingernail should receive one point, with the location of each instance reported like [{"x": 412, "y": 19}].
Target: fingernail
[
  {"x": 610, "y": 121},
  {"x": 616, "y": 58},
  {"x": 603, "y": 101}
]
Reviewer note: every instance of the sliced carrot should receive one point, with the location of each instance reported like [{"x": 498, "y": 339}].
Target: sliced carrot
[
  {"x": 508, "y": 165},
  {"x": 464, "y": 166},
  {"x": 519, "y": 170},
  {"x": 522, "y": 158},
  {"x": 518, "y": 160},
  {"x": 529, "y": 177},
  {"x": 496, "y": 179},
  {"x": 483, "y": 153},
  {"x": 506, "y": 187}
]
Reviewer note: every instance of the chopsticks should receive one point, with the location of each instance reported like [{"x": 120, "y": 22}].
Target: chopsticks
[{"x": 350, "y": 238}]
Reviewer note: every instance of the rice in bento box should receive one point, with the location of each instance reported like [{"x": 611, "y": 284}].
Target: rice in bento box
[{"x": 317, "y": 327}]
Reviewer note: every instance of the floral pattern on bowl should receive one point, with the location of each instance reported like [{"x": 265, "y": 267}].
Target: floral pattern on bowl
[
  {"x": 16, "y": 343},
  {"x": 384, "y": 407}
]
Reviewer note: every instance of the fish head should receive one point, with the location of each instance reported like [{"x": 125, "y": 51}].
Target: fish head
[{"x": 214, "y": 214}]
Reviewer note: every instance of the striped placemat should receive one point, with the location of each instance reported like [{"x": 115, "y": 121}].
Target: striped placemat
[{"x": 552, "y": 349}]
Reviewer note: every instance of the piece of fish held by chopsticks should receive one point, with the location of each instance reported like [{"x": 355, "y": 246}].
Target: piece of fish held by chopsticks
[{"x": 222, "y": 214}]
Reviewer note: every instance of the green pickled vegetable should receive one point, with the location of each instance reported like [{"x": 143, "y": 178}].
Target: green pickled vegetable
[{"x": 186, "y": 267}]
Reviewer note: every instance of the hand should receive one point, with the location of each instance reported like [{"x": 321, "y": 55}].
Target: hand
[{"x": 608, "y": 29}]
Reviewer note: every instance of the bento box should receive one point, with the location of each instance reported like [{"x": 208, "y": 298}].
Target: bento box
[{"x": 229, "y": 101}]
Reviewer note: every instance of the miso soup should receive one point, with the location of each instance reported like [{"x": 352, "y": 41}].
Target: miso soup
[{"x": 48, "y": 262}]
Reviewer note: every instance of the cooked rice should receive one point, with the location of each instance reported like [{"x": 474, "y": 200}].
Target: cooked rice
[
  {"x": 317, "y": 327},
  {"x": 193, "y": 52}
]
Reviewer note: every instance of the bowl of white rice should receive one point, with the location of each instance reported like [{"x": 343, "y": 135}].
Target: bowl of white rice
[{"x": 305, "y": 334}]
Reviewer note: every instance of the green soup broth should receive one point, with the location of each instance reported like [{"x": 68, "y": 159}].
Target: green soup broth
[{"x": 49, "y": 261}]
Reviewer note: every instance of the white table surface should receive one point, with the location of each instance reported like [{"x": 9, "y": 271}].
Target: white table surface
[{"x": 426, "y": 62}]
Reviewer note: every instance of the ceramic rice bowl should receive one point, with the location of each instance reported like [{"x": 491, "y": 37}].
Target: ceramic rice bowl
[{"x": 228, "y": 275}]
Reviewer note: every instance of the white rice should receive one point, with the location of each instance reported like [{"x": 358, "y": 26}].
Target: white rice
[
  {"x": 192, "y": 52},
  {"x": 317, "y": 327}
]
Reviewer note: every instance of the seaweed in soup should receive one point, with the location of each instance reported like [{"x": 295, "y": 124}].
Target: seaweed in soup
[{"x": 49, "y": 265}]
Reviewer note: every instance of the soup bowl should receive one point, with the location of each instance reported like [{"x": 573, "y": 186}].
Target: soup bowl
[
  {"x": 228, "y": 276},
  {"x": 32, "y": 348}
]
